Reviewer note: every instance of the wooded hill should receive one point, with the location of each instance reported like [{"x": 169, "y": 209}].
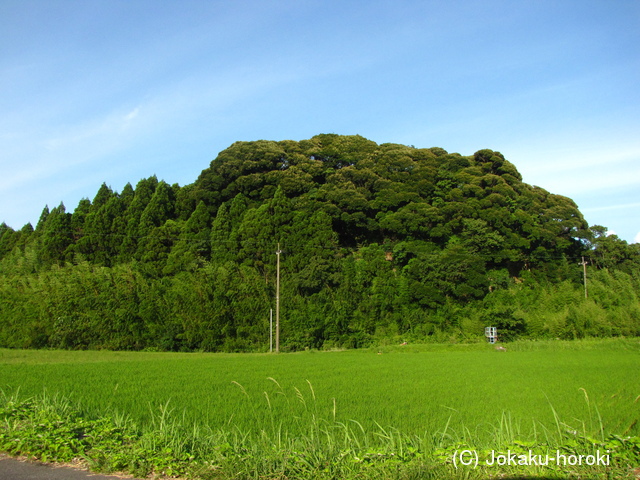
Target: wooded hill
[{"x": 380, "y": 243}]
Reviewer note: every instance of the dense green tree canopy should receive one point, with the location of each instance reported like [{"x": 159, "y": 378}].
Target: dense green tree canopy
[{"x": 378, "y": 241}]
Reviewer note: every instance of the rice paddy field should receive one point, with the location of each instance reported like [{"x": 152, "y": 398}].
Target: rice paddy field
[{"x": 390, "y": 412}]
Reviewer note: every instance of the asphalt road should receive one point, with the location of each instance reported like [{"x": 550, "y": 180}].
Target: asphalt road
[{"x": 14, "y": 469}]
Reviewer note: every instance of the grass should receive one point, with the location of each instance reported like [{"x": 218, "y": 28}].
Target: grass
[{"x": 395, "y": 411}]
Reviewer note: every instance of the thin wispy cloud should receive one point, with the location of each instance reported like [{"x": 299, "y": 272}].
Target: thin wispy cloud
[
  {"x": 110, "y": 92},
  {"x": 66, "y": 148},
  {"x": 612, "y": 207},
  {"x": 591, "y": 179}
]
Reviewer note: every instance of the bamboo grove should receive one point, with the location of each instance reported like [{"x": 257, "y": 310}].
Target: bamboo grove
[{"x": 381, "y": 243}]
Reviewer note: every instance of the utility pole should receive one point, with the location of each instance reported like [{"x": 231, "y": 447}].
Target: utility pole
[
  {"x": 584, "y": 268},
  {"x": 278, "y": 252}
]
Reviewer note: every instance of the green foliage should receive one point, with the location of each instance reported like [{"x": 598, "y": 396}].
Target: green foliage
[
  {"x": 256, "y": 416},
  {"x": 378, "y": 241},
  {"x": 56, "y": 235}
]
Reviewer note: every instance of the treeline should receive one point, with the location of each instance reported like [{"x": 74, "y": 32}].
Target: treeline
[{"x": 379, "y": 243}]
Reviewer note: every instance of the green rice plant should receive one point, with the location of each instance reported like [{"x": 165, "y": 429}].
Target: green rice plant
[{"x": 336, "y": 413}]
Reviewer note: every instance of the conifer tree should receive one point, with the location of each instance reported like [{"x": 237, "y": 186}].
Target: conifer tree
[
  {"x": 8, "y": 239},
  {"x": 56, "y": 235},
  {"x": 78, "y": 218},
  {"x": 222, "y": 245},
  {"x": 142, "y": 196},
  {"x": 193, "y": 246},
  {"x": 159, "y": 209},
  {"x": 102, "y": 197},
  {"x": 43, "y": 219}
]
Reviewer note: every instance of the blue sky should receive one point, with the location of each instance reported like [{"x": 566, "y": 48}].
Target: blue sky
[{"x": 114, "y": 91}]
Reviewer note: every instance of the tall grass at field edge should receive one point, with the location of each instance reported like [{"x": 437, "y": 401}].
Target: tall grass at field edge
[{"x": 50, "y": 428}]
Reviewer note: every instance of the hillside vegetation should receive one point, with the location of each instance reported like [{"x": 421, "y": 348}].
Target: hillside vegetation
[{"x": 380, "y": 244}]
